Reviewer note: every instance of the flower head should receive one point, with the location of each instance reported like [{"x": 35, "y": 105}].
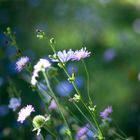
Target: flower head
[
  {"x": 25, "y": 112},
  {"x": 105, "y": 114},
  {"x": 40, "y": 121},
  {"x": 80, "y": 54},
  {"x": 81, "y": 132},
  {"x": 63, "y": 56},
  {"x": 20, "y": 64},
  {"x": 14, "y": 103},
  {"x": 41, "y": 65}
]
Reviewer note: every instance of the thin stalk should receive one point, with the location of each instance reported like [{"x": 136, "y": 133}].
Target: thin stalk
[
  {"x": 50, "y": 132},
  {"x": 42, "y": 136},
  {"x": 87, "y": 74},
  {"x": 79, "y": 109},
  {"x": 77, "y": 90},
  {"x": 119, "y": 129},
  {"x": 115, "y": 133},
  {"x": 49, "y": 87},
  {"x": 73, "y": 83}
]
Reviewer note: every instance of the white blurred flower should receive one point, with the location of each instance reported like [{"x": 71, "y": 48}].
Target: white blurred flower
[
  {"x": 80, "y": 54},
  {"x": 25, "y": 112},
  {"x": 64, "y": 56},
  {"x": 20, "y": 64},
  {"x": 14, "y": 103},
  {"x": 41, "y": 65}
]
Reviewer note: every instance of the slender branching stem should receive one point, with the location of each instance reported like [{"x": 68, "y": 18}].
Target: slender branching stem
[{"x": 49, "y": 87}]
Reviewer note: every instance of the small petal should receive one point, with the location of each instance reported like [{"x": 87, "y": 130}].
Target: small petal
[
  {"x": 25, "y": 112},
  {"x": 20, "y": 64},
  {"x": 80, "y": 54}
]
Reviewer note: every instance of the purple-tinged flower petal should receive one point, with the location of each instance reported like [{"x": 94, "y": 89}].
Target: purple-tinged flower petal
[
  {"x": 80, "y": 54},
  {"x": 105, "y": 114},
  {"x": 20, "y": 64}
]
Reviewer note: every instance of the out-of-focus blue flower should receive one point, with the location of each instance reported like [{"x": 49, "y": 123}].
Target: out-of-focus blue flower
[
  {"x": 82, "y": 131},
  {"x": 3, "y": 40},
  {"x": 42, "y": 87},
  {"x": 64, "y": 88},
  {"x": 79, "y": 81},
  {"x": 105, "y": 114},
  {"x": 109, "y": 55},
  {"x": 11, "y": 51},
  {"x": 72, "y": 68},
  {"x": 91, "y": 135},
  {"x": 4, "y": 110},
  {"x": 14, "y": 103},
  {"x": 11, "y": 68}
]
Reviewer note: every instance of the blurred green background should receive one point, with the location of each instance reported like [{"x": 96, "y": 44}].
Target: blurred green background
[{"x": 110, "y": 29}]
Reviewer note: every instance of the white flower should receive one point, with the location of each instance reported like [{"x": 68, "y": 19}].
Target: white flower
[
  {"x": 14, "y": 103},
  {"x": 20, "y": 64},
  {"x": 80, "y": 54},
  {"x": 41, "y": 65},
  {"x": 63, "y": 56},
  {"x": 25, "y": 112}
]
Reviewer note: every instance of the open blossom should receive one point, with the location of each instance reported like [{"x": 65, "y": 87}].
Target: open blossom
[
  {"x": 25, "y": 112},
  {"x": 20, "y": 64},
  {"x": 105, "y": 114},
  {"x": 64, "y": 56},
  {"x": 80, "y": 54},
  {"x": 14, "y": 103},
  {"x": 82, "y": 131},
  {"x": 41, "y": 65}
]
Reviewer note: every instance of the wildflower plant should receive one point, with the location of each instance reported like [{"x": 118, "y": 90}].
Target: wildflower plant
[{"x": 54, "y": 103}]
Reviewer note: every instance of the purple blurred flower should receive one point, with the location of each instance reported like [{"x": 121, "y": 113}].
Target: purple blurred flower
[
  {"x": 20, "y": 64},
  {"x": 53, "y": 105},
  {"x": 64, "y": 88},
  {"x": 14, "y": 103},
  {"x": 25, "y": 112},
  {"x": 105, "y": 114},
  {"x": 64, "y": 56},
  {"x": 81, "y": 132},
  {"x": 80, "y": 54},
  {"x": 109, "y": 55}
]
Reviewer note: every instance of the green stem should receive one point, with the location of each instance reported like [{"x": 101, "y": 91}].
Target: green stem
[
  {"x": 49, "y": 87},
  {"x": 119, "y": 136},
  {"x": 87, "y": 74},
  {"x": 50, "y": 132},
  {"x": 93, "y": 116},
  {"x": 42, "y": 136},
  {"x": 79, "y": 109}
]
